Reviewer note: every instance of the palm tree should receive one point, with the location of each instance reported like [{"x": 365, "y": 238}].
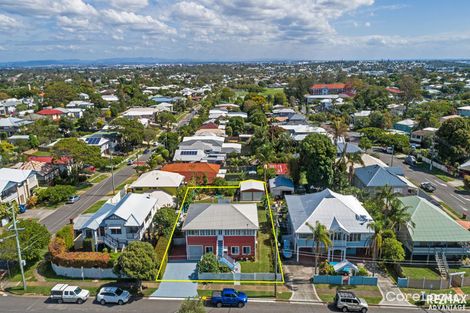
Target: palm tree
[
  {"x": 399, "y": 215},
  {"x": 385, "y": 198},
  {"x": 320, "y": 235},
  {"x": 353, "y": 158},
  {"x": 339, "y": 128},
  {"x": 375, "y": 242}
]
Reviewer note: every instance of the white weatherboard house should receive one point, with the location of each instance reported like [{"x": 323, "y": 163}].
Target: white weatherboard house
[
  {"x": 16, "y": 185},
  {"x": 344, "y": 217},
  {"x": 158, "y": 180},
  {"x": 122, "y": 220}
]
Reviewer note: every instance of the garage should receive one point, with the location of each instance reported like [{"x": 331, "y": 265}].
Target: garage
[{"x": 195, "y": 252}]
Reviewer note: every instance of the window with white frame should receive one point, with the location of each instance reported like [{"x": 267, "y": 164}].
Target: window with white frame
[
  {"x": 115, "y": 231},
  {"x": 209, "y": 249},
  {"x": 235, "y": 250},
  {"x": 246, "y": 250}
]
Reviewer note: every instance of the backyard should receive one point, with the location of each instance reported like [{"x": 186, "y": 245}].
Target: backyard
[{"x": 264, "y": 259}]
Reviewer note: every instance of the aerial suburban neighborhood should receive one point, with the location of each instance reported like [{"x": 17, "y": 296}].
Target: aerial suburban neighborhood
[{"x": 217, "y": 179}]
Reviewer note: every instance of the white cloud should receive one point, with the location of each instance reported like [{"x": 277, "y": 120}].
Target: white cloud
[
  {"x": 46, "y": 8},
  {"x": 136, "y": 22},
  {"x": 128, "y": 4},
  {"x": 367, "y": 24},
  {"x": 8, "y": 22}
]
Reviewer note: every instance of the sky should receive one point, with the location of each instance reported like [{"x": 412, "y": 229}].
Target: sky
[{"x": 234, "y": 30}]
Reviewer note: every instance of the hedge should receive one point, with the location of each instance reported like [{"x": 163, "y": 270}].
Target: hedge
[
  {"x": 160, "y": 248},
  {"x": 66, "y": 233},
  {"x": 62, "y": 257}
]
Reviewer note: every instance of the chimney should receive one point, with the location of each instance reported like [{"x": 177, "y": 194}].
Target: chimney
[{"x": 71, "y": 221}]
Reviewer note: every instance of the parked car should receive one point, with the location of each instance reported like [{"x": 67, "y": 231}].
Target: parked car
[
  {"x": 146, "y": 151},
  {"x": 65, "y": 293},
  {"x": 73, "y": 199},
  {"x": 347, "y": 301},
  {"x": 229, "y": 297},
  {"x": 130, "y": 162},
  {"x": 113, "y": 295},
  {"x": 410, "y": 160},
  {"x": 388, "y": 150},
  {"x": 427, "y": 186}
]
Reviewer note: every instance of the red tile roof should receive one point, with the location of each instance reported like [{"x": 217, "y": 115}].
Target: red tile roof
[
  {"x": 209, "y": 126},
  {"x": 281, "y": 168},
  {"x": 49, "y": 159},
  {"x": 194, "y": 170},
  {"x": 328, "y": 86},
  {"x": 50, "y": 112},
  {"x": 394, "y": 90}
]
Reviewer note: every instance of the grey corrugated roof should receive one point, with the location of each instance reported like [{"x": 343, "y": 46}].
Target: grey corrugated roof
[
  {"x": 378, "y": 176},
  {"x": 331, "y": 209},
  {"x": 221, "y": 216}
]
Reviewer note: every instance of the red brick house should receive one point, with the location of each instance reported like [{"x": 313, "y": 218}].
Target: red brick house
[{"x": 223, "y": 229}]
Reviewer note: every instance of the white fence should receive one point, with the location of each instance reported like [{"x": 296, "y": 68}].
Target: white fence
[
  {"x": 84, "y": 272},
  {"x": 436, "y": 165}
]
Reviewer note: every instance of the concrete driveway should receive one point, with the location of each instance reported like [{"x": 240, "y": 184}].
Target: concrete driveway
[
  {"x": 298, "y": 280},
  {"x": 178, "y": 271}
]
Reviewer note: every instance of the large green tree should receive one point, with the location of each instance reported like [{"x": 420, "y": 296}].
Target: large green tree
[
  {"x": 131, "y": 131},
  {"x": 453, "y": 140},
  {"x": 59, "y": 93},
  {"x": 317, "y": 155},
  {"x": 80, "y": 151},
  {"x": 164, "y": 220},
  {"x": 138, "y": 260},
  {"x": 34, "y": 238}
]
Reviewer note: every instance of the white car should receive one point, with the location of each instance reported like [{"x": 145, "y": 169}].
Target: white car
[
  {"x": 113, "y": 295},
  {"x": 65, "y": 293}
]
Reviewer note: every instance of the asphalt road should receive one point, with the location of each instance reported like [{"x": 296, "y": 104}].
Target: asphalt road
[
  {"x": 63, "y": 214},
  {"x": 456, "y": 199},
  {"x": 11, "y": 304}
]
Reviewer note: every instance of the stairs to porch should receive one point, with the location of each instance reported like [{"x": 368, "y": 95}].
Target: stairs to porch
[{"x": 442, "y": 265}]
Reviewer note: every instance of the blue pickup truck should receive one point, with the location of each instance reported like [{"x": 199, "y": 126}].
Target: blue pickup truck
[{"x": 229, "y": 297}]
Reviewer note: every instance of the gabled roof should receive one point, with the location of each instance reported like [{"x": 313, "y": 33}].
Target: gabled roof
[
  {"x": 350, "y": 148},
  {"x": 158, "y": 179},
  {"x": 432, "y": 224},
  {"x": 251, "y": 185},
  {"x": 221, "y": 216},
  {"x": 132, "y": 208},
  {"x": 64, "y": 160},
  {"x": 14, "y": 175},
  {"x": 328, "y": 86},
  {"x": 281, "y": 181},
  {"x": 331, "y": 209},
  {"x": 50, "y": 112},
  {"x": 190, "y": 170},
  {"x": 379, "y": 176},
  {"x": 13, "y": 122}
]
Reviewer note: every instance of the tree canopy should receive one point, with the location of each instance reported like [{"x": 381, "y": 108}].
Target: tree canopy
[
  {"x": 317, "y": 155},
  {"x": 453, "y": 140},
  {"x": 138, "y": 261}
]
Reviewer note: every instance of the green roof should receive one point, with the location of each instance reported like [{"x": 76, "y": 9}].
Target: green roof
[{"x": 432, "y": 224}]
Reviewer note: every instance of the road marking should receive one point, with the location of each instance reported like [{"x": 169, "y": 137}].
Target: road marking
[
  {"x": 439, "y": 183},
  {"x": 457, "y": 198},
  {"x": 463, "y": 208},
  {"x": 462, "y": 197}
]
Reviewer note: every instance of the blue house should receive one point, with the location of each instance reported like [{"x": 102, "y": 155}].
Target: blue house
[
  {"x": 280, "y": 186},
  {"x": 343, "y": 215},
  {"x": 405, "y": 125},
  {"x": 373, "y": 178},
  {"x": 464, "y": 111}
]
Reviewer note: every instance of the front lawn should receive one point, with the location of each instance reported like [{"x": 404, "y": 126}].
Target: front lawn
[
  {"x": 461, "y": 269},
  {"x": 420, "y": 272},
  {"x": 264, "y": 259},
  {"x": 370, "y": 293},
  {"x": 95, "y": 207}
]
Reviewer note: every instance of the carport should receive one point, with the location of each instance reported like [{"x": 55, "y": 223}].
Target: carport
[{"x": 178, "y": 271}]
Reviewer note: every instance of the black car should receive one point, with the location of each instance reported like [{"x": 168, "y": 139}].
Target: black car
[{"x": 427, "y": 186}]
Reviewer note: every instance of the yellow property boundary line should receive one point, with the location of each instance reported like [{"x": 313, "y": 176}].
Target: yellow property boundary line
[{"x": 223, "y": 281}]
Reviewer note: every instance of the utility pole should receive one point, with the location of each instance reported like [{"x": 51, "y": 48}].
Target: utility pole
[
  {"x": 18, "y": 248},
  {"x": 431, "y": 152},
  {"x": 393, "y": 153},
  {"x": 112, "y": 172}
]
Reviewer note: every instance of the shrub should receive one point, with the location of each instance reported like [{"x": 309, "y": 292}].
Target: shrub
[
  {"x": 55, "y": 194},
  {"x": 66, "y": 234},
  {"x": 62, "y": 257},
  {"x": 208, "y": 264},
  {"x": 326, "y": 268},
  {"x": 362, "y": 271},
  {"x": 466, "y": 181}
]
